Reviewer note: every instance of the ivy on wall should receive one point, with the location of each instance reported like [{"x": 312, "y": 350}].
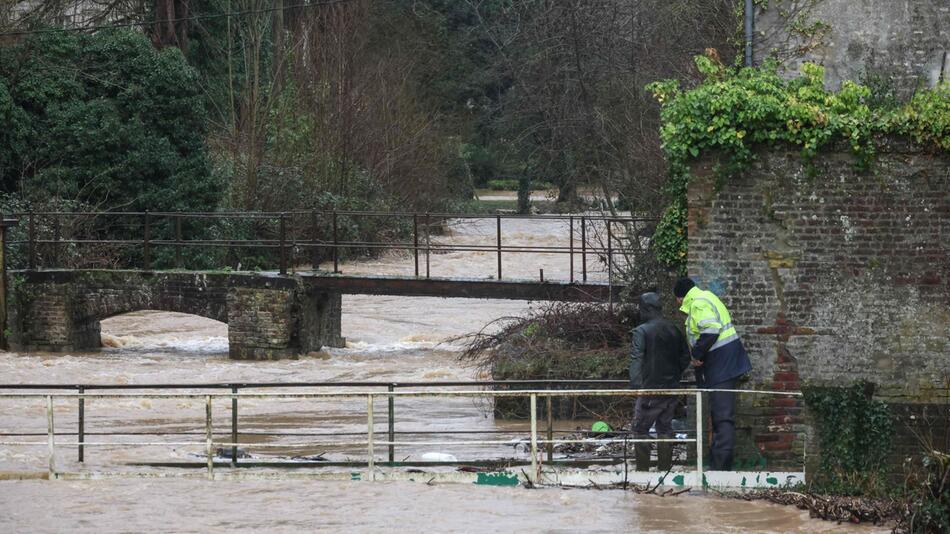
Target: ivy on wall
[
  {"x": 736, "y": 111},
  {"x": 855, "y": 433}
]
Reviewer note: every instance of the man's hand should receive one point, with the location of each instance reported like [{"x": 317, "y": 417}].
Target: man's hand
[{"x": 696, "y": 363}]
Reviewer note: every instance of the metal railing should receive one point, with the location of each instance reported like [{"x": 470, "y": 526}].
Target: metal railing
[
  {"x": 371, "y": 441},
  {"x": 291, "y": 233},
  {"x": 236, "y": 387}
]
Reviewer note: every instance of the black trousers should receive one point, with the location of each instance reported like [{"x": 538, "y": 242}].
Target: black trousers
[
  {"x": 722, "y": 408},
  {"x": 658, "y": 410}
]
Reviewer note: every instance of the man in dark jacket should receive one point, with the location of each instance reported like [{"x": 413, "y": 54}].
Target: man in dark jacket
[{"x": 658, "y": 356}]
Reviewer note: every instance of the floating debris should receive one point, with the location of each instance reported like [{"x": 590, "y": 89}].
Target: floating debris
[
  {"x": 227, "y": 453},
  {"x": 830, "y": 507},
  {"x": 310, "y": 458}
]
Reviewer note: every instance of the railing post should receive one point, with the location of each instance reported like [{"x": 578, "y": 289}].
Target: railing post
[
  {"x": 314, "y": 237},
  {"x": 145, "y": 243},
  {"x": 699, "y": 440},
  {"x": 234, "y": 426},
  {"x": 584, "y": 248},
  {"x": 283, "y": 244},
  {"x": 336, "y": 245},
  {"x": 51, "y": 432},
  {"x": 392, "y": 425},
  {"x": 178, "y": 240},
  {"x": 550, "y": 446},
  {"x": 81, "y": 435},
  {"x": 498, "y": 241},
  {"x": 427, "y": 244},
  {"x": 371, "y": 460},
  {"x": 57, "y": 246},
  {"x": 31, "y": 247},
  {"x": 534, "y": 437},
  {"x": 292, "y": 245},
  {"x": 571, "y": 247},
  {"x": 610, "y": 269},
  {"x": 415, "y": 240},
  {"x": 4, "y": 224},
  {"x": 209, "y": 443}
]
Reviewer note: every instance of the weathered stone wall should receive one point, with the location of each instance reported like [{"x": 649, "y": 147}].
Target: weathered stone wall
[
  {"x": 905, "y": 41},
  {"x": 268, "y": 317},
  {"x": 831, "y": 277}
]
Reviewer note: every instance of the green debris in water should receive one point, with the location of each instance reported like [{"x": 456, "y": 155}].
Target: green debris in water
[{"x": 497, "y": 479}]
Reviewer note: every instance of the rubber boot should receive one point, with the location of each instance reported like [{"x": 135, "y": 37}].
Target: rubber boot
[{"x": 642, "y": 455}]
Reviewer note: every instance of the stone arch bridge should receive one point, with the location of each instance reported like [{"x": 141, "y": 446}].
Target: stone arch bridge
[{"x": 269, "y": 316}]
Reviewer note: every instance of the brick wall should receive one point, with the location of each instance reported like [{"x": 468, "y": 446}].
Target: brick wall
[{"x": 831, "y": 277}]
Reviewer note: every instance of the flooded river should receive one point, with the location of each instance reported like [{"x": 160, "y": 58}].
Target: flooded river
[{"x": 391, "y": 339}]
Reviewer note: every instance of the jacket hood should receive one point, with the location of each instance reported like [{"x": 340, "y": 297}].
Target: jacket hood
[{"x": 650, "y": 306}]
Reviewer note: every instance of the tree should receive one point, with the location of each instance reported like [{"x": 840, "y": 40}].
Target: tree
[
  {"x": 576, "y": 107},
  {"x": 103, "y": 119}
]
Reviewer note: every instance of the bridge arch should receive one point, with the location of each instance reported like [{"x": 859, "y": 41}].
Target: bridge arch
[{"x": 164, "y": 331}]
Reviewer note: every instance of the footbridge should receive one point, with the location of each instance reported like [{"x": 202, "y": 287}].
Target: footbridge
[{"x": 277, "y": 279}]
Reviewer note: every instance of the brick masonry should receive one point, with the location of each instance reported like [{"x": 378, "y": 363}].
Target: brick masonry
[
  {"x": 832, "y": 277},
  {"x": 268, "y": 317}
]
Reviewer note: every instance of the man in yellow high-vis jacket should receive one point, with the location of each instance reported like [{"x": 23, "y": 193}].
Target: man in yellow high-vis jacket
[{"x": 719, "y": 360}]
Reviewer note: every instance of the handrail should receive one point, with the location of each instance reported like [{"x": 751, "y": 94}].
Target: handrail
[
  {"x": 396, "y": 384},
  {"x": 276, "y": 214},
  {"x": 370, "y": 442},
  {"x": 284, "y": 238}
]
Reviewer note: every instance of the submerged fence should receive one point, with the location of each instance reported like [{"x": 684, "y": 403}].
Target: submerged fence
[{"x": 538, "y": 444}]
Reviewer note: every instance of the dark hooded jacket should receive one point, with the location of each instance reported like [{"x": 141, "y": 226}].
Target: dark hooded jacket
[{"x": 659, "y": 353}]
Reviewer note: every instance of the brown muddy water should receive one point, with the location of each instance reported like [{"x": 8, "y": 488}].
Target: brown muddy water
[
  {"x": 299, "y": 506},
  {"x": 389, "y": 339}
]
